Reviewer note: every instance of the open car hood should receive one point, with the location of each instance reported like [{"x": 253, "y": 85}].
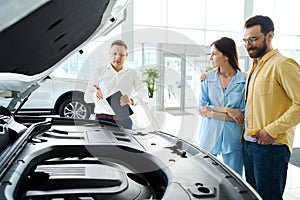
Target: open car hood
[{"x": 37, "y": 35}]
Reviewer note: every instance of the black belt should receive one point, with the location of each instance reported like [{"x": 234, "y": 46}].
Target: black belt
[{"x": 106, "y": 116}]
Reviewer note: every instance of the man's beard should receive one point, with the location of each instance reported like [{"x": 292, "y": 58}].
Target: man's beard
[{"x": 259, "y": 52}]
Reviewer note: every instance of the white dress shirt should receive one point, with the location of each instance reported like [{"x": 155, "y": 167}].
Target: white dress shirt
[{"x": 110, "y": 81}]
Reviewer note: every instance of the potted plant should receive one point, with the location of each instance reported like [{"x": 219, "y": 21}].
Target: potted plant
[{"x": 150, "y": 76}]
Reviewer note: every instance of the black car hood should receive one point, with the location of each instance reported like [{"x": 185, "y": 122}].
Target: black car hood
[{"x": 34, "y": 41}]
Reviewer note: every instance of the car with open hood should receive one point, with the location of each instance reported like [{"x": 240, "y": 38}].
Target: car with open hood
[{"x": 44, "y": 157}]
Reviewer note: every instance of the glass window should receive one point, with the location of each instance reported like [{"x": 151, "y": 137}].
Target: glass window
[
  {"x": 286, "y": 21},
  {"x": 68, "y": 69},
  {"x": 265, "y": 7},
  {"x": 150, "y": 35},
  {"x": 214, "y": 35},
  {"x": 291, "y": 42},
  {"x": 292, "y": 54},
  {"x": 138, "y": 55},
  {"x": 287, "y": 18},
  {"x": 150, "y": 57},
  {"x": 198, "y": 22},
  {"x": 152, "y": 13},
  {"x": 115, "y": 33},
  {"x": 225, "y": 15},
  {"x": 186, "y": 36},
  {"x": 283, "y": 13},
  {"x": 186, "y": 14}
]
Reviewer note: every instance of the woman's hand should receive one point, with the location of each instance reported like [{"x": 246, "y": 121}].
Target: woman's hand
[
  {"x": 202, "y": 77},
  {"x": 236, "y": 114},
  {"x": 206, "y": 112}
]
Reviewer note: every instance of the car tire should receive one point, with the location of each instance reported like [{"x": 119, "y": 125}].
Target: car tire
[{"x": 74, "y": 107}]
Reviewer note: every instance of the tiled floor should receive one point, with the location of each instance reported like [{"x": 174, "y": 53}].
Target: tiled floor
[
  {"x": 186, "y": 127},
  {"x": 292, "y": 190}
]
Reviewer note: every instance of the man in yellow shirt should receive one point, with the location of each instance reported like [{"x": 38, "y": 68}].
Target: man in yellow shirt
[{"x": 272, "y": 110}]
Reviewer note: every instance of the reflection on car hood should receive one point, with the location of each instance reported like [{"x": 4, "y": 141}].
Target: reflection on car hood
[{"x": 36, "y": 36}]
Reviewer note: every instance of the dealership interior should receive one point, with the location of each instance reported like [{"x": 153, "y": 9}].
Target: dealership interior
[{"x": 175, "y": 37}]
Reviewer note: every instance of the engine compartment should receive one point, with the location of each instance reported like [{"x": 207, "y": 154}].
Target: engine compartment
[{"x": 84, "y": 159}]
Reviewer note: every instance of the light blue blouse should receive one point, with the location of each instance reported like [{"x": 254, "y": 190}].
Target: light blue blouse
[{"x": 220, "y": 136}]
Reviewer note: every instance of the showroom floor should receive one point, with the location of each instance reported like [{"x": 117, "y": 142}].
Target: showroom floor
[{"x": 189, "y": 122}]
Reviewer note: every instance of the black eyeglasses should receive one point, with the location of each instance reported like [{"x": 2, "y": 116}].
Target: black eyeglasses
[{"x": 251, "y": 40}]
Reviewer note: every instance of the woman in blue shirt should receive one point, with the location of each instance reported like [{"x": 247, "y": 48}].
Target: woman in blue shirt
[{"x": 221, "y": 104}]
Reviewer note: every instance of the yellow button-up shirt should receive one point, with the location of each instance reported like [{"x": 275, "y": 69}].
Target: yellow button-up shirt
[{"x": 274, "y": 97}]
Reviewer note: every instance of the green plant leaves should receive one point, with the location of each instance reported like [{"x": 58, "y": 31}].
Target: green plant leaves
[{"x": 150, "y": 76}]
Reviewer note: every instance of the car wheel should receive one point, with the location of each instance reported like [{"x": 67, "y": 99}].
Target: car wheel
[{"x": 74, "y": 108}]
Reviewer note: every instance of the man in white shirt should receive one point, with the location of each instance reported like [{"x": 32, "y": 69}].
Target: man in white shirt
[{"x": 112, "y": 78}]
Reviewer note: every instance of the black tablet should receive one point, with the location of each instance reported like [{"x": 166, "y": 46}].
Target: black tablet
[{"x": 122, "y": 112}]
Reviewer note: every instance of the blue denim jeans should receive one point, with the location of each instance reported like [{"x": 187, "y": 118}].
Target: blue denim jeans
[{"x": 266, "y": 168}]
